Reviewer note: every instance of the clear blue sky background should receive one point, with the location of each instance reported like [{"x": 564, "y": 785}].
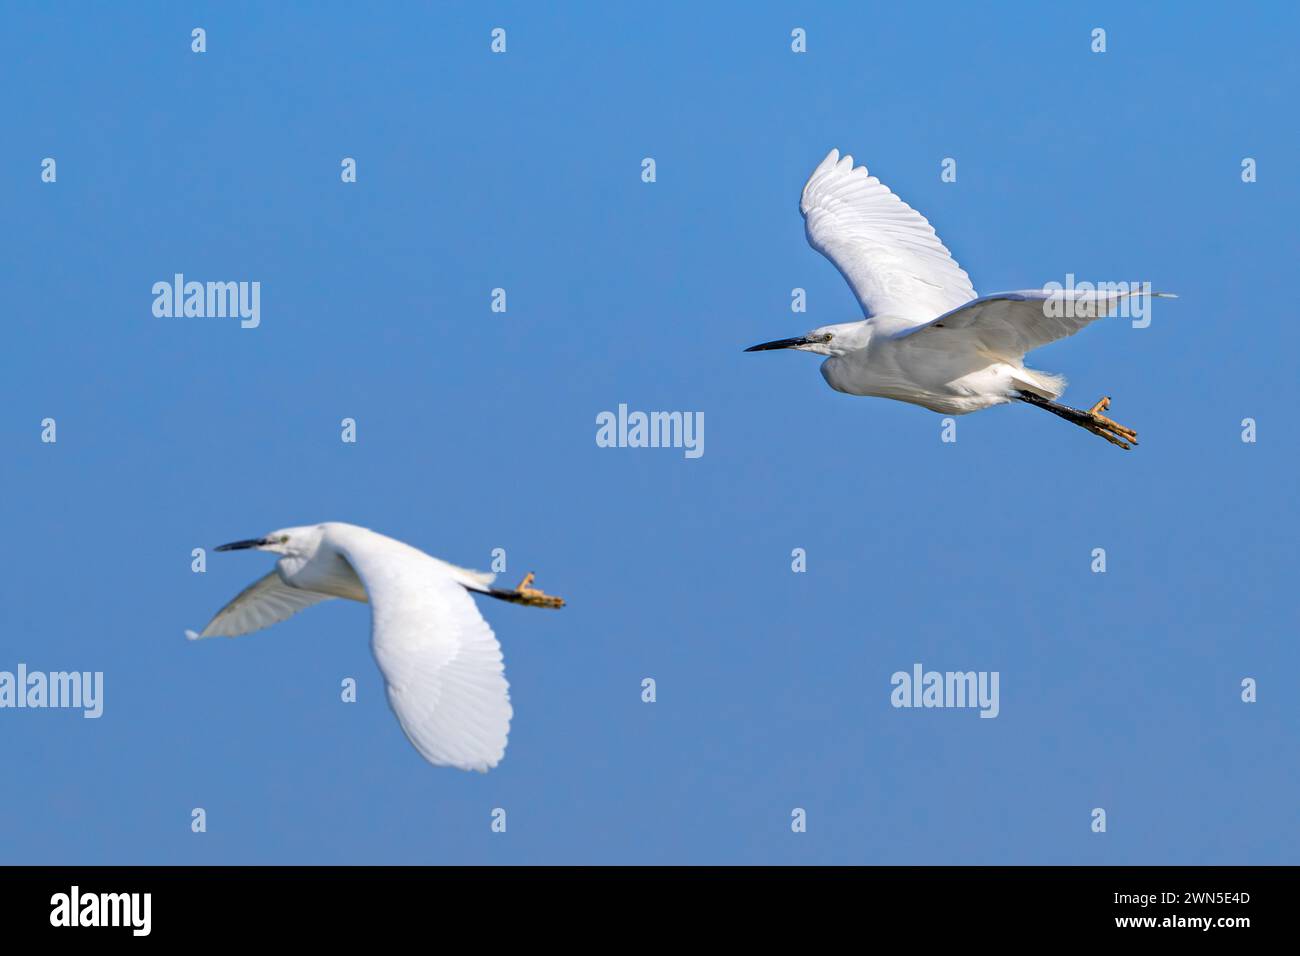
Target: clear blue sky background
[{"x": 477, "y": 430}]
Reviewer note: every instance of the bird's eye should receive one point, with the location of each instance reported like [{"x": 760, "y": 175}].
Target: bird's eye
[{"x": 284, "y": 539}]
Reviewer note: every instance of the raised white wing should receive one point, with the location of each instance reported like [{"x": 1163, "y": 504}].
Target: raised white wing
[
  {"x": 265, "y": 602},
  {"x": 884, "y": 248},
  {"x": 441, "y": 663},
  {"x": 1013, "y": 323}
]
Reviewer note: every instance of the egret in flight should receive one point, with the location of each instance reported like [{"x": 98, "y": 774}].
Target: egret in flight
[
  {"x": 440, "y": 660},
  {"x": 928, "y": 339}
]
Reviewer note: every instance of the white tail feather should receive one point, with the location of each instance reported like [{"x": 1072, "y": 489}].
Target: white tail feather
[{"x": 1043, "y": 384}]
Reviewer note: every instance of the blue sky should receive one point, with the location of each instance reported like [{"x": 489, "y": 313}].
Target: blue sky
[{"x": 476, "y": 430}]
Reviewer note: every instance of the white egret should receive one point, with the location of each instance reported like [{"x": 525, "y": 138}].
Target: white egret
[
  {"x": 928, "y": 339},
  {"x": 441, "y": 662}
]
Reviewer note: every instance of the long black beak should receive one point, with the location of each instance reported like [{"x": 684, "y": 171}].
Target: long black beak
[
  {"x": 778, "y": 344},
  {"x": 241, "y": 545}
]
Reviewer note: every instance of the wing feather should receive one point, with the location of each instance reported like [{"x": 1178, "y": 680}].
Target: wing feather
[
  {"x": 886, "y": 250},
  {"x": 266, "y": 601},
  {"x": 1013, "y": 323},
  {"x": 441, "y": 662}
]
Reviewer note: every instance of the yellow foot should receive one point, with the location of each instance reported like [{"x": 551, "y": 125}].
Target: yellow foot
[
  {"x": 526, "y": 594},
  {"x": 1113, "y": 432}
]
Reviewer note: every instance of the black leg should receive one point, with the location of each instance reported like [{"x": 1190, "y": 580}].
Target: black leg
[
  {"x": 525, "y": 594},
  {"x": 1091, "y": 420},
  {"x": 1076, "y": 415},
  {"x": 512, "y": 597}
]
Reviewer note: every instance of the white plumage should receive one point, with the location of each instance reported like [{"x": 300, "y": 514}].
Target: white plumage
[
  {"x": 441, "y": 662},
  {"x": 886, "y": 250},
  {"x": 927, "y": 338}
]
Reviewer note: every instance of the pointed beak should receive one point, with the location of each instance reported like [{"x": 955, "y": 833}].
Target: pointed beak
[
  {"x": 241, "y": 545},
  {"x": 778, "y": 344}
]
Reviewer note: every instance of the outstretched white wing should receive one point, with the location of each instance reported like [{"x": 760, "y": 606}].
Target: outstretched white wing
[
  {"x": 884, "y": 248},
  {"x": 440, "y": 661},
  {"x": 1013, "y": 323},
  {"x": 265, "y": 602}
]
